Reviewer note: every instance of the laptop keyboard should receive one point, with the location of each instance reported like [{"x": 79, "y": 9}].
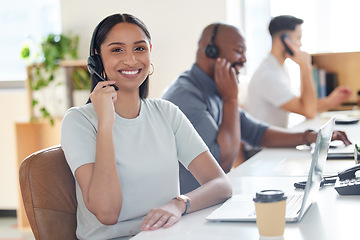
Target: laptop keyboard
[{"x": 293, "y": 205}]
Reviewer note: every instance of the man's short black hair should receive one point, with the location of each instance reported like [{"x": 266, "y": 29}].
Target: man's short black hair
[{"x": 283, "y": 22}]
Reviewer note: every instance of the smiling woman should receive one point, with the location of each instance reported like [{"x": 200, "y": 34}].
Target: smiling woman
[{"x": 122, "y": 147}]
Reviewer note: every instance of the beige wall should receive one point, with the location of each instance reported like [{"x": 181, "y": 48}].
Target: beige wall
[
  {"x": 174, "y": 26},
  {"x": 13, "y": 106}
]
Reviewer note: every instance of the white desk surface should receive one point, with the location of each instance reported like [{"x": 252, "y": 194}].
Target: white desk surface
[{"x": 333, "y": 217}]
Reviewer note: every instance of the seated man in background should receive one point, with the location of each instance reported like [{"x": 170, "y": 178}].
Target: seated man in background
[
  {"x": 269, "y": 97},
  {"x": 208, "y": 95}
]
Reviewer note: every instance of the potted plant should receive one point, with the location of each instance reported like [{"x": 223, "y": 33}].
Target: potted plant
[{"x": 43, "y": 70}]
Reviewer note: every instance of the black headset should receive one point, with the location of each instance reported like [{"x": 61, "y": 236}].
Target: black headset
[
  {"x": 212, "y": 50},
  {"x": 94, "y": 62}
]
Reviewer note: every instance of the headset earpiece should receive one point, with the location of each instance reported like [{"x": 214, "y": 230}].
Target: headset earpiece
[
  {"x": 211, "y": 50},
  {"x": 94, "y": 64}
]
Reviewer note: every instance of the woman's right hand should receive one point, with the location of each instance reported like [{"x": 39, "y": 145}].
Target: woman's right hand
[{"x": 103, "y": 97}]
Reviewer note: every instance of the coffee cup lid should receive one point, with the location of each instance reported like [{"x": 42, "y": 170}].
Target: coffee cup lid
[{"x": 269, "y": 196}]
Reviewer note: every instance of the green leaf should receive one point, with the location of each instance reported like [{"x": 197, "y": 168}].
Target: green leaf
[
  {"x": 25, "y": 52},
  {"x": 44, "y": 112},
  {"x": 34, "y": 102},
  {"x": 357, "y": 147},
  {"x": 81, "y": 79}
]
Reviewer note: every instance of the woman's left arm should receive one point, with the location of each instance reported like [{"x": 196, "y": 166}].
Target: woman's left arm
[
  {"x": 215, "y": 188},
  {"x": 215, "y": 185}
]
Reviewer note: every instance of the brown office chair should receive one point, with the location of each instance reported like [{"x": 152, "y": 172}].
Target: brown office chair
[{"x": 48, "y": 193}]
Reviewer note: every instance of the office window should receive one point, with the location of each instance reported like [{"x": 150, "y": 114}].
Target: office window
[
  {"x": 329, "y": 25},
  {"x": 24, "y": 21},
  {"x": 252, "y": 17}
]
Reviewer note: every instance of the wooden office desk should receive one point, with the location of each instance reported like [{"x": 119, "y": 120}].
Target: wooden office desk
[{"x": 333, "y": 217}]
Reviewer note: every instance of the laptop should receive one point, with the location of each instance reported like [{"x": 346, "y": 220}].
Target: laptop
[{"x": 240, "y": 207}]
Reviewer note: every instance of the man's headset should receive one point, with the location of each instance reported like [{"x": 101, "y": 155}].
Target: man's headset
[
  {"x": 212, "y": 50},
  {"x": 94, "y": 62}
]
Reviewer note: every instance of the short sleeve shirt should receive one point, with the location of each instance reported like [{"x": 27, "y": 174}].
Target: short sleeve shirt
[
  {"x": 268, "y": 90},
  {"x": 147, "y": 150}
]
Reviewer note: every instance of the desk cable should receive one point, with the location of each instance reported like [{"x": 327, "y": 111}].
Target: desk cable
[{"x": 325, "y": 181}]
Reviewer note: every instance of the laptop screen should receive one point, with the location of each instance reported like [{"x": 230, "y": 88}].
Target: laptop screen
[
  {"x": 317, "y": 164},
  {"x": 244, "y": 205}
]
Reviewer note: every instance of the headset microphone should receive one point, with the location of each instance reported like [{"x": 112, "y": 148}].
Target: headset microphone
[{"x": 92, "y": 71}]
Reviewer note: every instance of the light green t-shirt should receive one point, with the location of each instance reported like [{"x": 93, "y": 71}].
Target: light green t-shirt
[{"x": 147, "y": 150}]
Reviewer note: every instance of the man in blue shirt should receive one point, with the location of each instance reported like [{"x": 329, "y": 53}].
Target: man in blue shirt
[{"x": 208, "y": 96}]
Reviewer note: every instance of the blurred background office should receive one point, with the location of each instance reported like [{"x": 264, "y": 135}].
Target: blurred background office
[{"x": 329, "y": 26}]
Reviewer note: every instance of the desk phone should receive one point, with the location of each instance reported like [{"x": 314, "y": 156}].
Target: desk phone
[{"x": 348, "y": 183}]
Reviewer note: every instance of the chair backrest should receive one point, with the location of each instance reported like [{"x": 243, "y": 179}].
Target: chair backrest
[{"x": 48, "y": 193}]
